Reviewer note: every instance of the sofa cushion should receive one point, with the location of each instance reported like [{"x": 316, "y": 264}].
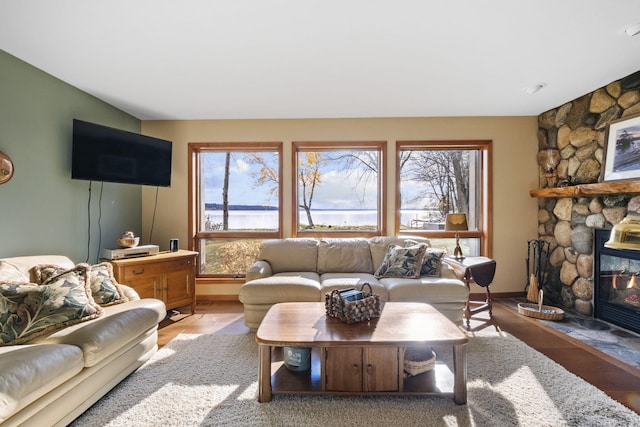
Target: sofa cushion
[
  {"x": 344, "y": 255},
  {"x": 444, "y": 289},
  {"x": 282, "y": 287},
  {"x": 379, "y": 245},
  {"x": 293, "y": 254},
  {"x": 332, "y": 281},
  {"x": 28, "y": 310},
  {"x": 101, "y": 337},
  {"x": 24, "y": 264},
  {"x": 105, "y": 290},
  {"x": 28, "y": 372},
  {"x": 402, "y": 261},
  {"x": 11, "y": 273}
]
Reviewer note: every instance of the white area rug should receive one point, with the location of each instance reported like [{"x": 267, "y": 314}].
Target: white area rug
[{"x": 211, "y": 380}]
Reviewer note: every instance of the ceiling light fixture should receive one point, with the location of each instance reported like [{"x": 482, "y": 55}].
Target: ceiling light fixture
[
  {"x": 534, "y": 88},
  {"x": 633, "y": 30}
]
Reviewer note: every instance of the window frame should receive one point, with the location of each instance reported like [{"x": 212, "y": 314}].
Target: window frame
[
  {"x": 485, "y": 199},
  {"x": 194, "y": 199},
  {"x": 379, "y": 146}
]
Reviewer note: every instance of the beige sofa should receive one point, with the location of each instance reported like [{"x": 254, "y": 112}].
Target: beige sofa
[
  {"x": 53, "y": 378},
  {"x": 305, "y": 269}
]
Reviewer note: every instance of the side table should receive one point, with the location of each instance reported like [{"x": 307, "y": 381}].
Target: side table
[{"x": 479, "y": 269}]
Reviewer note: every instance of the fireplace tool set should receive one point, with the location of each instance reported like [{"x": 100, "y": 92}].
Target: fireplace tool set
[{"x": 537, "y": 263}]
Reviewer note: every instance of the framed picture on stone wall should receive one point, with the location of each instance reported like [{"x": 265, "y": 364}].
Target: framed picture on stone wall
[{"x": 622, "y": 150}]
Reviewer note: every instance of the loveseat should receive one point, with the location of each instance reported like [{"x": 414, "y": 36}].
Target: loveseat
[
  {"x": 50, "y": 375},
  {"x": 305, "y": 269}
]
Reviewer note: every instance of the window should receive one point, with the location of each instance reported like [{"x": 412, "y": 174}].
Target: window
[
  {"x": 236, "y": 189},
  {"x": 440, "y": 177},
  {"x": 338, "y": 189}
]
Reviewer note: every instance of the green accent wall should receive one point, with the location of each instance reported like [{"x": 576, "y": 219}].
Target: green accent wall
[{"x": 42, "y": 210}]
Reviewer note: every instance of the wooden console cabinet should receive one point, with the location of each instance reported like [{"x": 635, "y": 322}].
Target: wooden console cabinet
[{"x": 168, "y": 276}]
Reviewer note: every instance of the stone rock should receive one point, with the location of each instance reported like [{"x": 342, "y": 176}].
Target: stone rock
[
  {"x": 563, "y": 169},
  {"x": 581, "y": 209},
  {"x": 548, "y": 159},
  {"x": 632, "y": 81},
  {"x": 599, "y": 155},
  {"x": 547, "y": 120},
  {"x": 574, "y": 164},
  {"x": 588, "y": 172},
  {"x": 614, "y": 215},
  {"x": 583, "y": 288},
  {"x": 567, "y": 299},
  {"x": 543, "y": 144},
  {"x": 596, "y": 221},
  {"x": 557, "y": 257},
  {"x": 542, "y": 229},
  {"x": 563, "y": 209},
  {"x": 595, "y": 205},
  {"x": 601, "y": 101},
  {"x": 570, "y": 255},
  {"x": 634, "y": 205},
  {"x": 548, "y": 228},
  {"x": 568, "y": 273},
  {"x": 583, "y": 307},
  {"x": 584, "y": 264},
  {"x": 583, "y": 153},
  {"x": 561, "y": 114},
  {"x": 582, "y": 238},
  {"x": 614, "y": 200},
  {"x": 600, "y": 137},
  {"x": 614, "y": 89},
  {"x": 563, "y": 136},
  {"x": 632, "y": 111},
  {"x": 582, "y": 136},
  {"x": 543, "y": 216},
  {"x": 629, "y": 99},
  {"x": 611, "y": 114},
  {"x": 568, "y": 152},
  {"x": 562, "y": 233},
  {"x": 578, "y": 114}
]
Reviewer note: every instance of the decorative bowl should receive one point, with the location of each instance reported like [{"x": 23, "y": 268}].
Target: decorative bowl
[{"x": 128, "y": 242}]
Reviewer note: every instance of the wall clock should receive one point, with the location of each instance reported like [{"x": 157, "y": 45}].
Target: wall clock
[{"x": 6, "y": 168}]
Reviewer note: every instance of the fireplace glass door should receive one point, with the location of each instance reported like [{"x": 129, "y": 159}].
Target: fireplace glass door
[{"x": 617, "y": 284}]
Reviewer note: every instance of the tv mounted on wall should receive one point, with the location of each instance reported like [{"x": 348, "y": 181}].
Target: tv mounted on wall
[{"x": 101, "y": 153}]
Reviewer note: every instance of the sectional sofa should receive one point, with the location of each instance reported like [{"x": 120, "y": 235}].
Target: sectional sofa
[
  {"x": 305, "y": 269},
  {"x": 91, "y": 341}
]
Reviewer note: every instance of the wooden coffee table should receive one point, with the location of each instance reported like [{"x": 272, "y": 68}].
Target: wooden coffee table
[{"x": 361, "y": 358}]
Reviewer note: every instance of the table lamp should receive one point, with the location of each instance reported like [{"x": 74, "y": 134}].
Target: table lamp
[{"x": 457, "y": 222}]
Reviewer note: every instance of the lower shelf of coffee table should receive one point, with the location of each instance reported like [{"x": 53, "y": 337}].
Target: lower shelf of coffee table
[{"x": 439, "y": 381}]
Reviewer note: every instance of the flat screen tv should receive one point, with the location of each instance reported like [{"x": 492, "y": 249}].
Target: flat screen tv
[{"x": 101, "y": 153}]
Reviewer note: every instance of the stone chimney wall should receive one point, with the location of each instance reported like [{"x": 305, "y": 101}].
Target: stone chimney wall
[{"x": 571, "y": 140}]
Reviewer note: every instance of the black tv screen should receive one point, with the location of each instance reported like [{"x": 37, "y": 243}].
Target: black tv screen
[{"x": 101, "y": 153}]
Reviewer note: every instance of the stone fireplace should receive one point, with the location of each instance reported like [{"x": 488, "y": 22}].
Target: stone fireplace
[
  {"x": 571, "y": 141},
  {"x": 616, "y": 284}
]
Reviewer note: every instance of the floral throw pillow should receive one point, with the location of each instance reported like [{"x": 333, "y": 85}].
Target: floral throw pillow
[
  {"x": 28, "y": 310},
  {"x": 402, "y": 262},
  {"x": 104, "y": 287},
  {"x": 432, "y": 262}
]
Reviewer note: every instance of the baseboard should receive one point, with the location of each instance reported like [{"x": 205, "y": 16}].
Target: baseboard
[
  {"x": 217, "y": 298},
  {"x": 482, "y": 296}
]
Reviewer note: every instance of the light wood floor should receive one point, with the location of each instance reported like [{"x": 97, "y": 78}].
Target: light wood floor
[{"x": 617, "y": 379}]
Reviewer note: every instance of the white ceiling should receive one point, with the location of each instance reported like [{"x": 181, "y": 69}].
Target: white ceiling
[{"x": 215, "y": 59}]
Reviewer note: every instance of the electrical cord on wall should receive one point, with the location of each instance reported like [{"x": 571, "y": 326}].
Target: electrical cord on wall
[
  {"x": 89, "y": 221},
  {"x": 153, "y": 218},
  {"x": 99, "y": 222}
]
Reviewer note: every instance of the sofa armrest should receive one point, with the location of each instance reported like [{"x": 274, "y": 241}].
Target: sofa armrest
[
  {"x": 258, "y": 270},
  {"x": 129, "y": 292}
]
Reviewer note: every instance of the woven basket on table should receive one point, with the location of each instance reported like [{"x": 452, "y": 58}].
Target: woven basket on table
[
  {"x": 548, "y": 312},
  {"x": 353, "y": 311},
  {"x": 419, "y": 360}
]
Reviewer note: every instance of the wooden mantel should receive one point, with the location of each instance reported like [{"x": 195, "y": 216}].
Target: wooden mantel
[{"x": 596, "y": 189}]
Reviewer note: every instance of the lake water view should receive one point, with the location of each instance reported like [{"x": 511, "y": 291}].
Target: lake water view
[{"x": 260, "y": 220}]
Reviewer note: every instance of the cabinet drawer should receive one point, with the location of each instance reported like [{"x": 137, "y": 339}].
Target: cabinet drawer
[{"x": 153, "y": 269}]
